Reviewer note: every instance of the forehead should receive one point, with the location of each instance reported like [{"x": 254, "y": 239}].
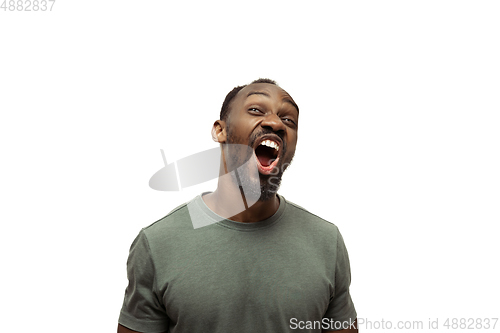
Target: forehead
[{"x": 270, "y": 89}]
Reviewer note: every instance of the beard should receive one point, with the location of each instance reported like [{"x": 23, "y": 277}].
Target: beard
[{"x": 254, "y": 185}]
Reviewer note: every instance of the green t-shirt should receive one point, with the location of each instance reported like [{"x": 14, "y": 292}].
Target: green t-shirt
[{"x": 283, "y": 274}]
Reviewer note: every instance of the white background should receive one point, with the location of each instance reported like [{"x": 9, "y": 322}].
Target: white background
[{"x": 398, "y": 143}]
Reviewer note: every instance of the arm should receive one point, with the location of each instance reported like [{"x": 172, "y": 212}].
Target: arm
[
  {"x": 341, "y": 305},
  {"x": 353, "y": 329},
  {"x": 143, "y": 307},
  {"x": 123, "y": 329}
]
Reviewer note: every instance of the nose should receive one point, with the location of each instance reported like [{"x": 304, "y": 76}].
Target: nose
[{"x": 274, "y": 123}]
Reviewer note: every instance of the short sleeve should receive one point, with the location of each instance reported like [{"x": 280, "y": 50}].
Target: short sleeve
[
  {"x": 341, "y": 308},
  {"x": 142, "y": 309}
]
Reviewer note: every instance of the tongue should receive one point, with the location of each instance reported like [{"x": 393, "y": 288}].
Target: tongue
[{"x": 264, "y": 160}]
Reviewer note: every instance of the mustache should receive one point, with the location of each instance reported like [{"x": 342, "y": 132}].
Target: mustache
[{"x": 265, "y": 132}]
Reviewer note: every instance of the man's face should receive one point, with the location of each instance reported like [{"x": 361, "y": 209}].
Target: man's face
[{"x": 264, "y": 117}]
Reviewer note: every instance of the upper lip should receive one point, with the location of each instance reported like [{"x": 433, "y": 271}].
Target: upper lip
[{"x": 272, "y": 137}]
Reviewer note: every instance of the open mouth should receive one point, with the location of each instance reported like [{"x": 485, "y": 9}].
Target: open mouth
[{"x": 266, "y": 153}]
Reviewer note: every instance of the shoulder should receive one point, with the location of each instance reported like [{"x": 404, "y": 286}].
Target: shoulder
[
  {"x": 175, "y": 215},
  {"x": 171, "y": 225},
  {"x": 310, "y": 221}
]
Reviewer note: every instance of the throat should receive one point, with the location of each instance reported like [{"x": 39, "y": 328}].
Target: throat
[{"x": 265, "y": 155}]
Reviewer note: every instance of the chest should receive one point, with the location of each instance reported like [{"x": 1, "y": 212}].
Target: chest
[{"x": 245, "y": 282}]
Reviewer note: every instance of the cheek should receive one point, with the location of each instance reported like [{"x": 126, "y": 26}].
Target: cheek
[
  {"x": 291, "y": 149},
  {"x": 234, "y": 130},
  {"x": 243, "y": 132},
  {"x": 241, "y": 125},
  {"x": 292, "y": 142}
]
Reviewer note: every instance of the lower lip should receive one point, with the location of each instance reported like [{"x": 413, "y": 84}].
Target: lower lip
[{"x": 266, "y": 170}]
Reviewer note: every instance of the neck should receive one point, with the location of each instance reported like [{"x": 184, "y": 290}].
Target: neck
[{"x": 227, "y": 196}]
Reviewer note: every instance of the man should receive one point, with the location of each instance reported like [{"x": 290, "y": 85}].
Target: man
[{"x": 270, "y": 267}]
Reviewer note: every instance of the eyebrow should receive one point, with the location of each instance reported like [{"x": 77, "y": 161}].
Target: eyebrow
[{"x": 287, "y": 100}]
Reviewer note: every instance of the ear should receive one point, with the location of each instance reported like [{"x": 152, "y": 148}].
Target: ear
[{"x": 219, "y": 131}]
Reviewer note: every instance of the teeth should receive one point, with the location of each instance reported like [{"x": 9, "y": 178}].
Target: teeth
[{"x": 271, "y": 144}]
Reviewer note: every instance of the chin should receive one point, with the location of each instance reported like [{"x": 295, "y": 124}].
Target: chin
[{"x": 269, "y": 188}]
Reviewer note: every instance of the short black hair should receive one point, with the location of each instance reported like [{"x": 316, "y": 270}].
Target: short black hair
[{"x": 224, "y": 112}]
